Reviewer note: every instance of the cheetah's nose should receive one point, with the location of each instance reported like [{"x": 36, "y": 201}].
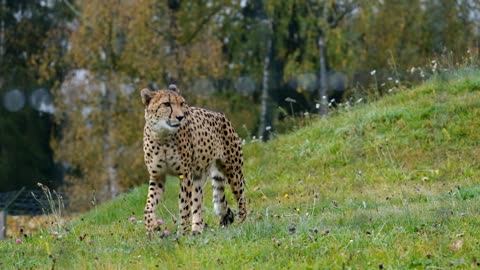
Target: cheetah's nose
[{"x": 180, "y": 117}]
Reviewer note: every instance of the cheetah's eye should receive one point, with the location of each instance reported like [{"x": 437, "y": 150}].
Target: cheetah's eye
[
  {"x": 182, "y": 104},
  {"x": 167, "y": 104}
]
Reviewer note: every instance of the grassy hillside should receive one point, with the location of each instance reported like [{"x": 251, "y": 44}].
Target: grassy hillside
[{"x": 392, "y": 184}]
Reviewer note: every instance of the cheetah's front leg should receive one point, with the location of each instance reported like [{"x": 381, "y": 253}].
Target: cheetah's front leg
[
  {"x": 156, "y": 188},
  {"x": 197, "y": 201},
  {"x": 185, "y": 201}
]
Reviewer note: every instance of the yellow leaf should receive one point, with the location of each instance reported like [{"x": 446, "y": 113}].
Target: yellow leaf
[
  {"x": 445, "y": 132},
  {"x": 47, "y": 246}
]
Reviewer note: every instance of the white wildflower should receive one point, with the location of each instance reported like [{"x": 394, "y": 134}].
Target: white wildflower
[{"x": 434, "y": 65}]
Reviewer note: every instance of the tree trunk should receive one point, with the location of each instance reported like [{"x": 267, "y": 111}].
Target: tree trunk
[
  {"x": 323, "y": 108},
  {"x": 175, "y": 72},
  {"x": 264, "y": 97},
  {"x": 109, "y": 149},
  {"x": 3, "y": 224},
  {"x": 111, "y": 185},
  {"x": 2, "y": 30}
]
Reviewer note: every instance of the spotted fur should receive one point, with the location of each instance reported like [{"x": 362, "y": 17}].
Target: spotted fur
[{"x": 191, "y": 143}]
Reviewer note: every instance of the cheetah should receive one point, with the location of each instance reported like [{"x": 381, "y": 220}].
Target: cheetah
[{"x": 193, "y": 144}]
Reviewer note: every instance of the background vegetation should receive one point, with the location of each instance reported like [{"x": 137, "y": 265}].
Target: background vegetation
[{"x": 94, "y": 56}]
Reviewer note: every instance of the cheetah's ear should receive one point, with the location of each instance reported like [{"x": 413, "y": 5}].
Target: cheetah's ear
[
  {"x": 147, "y": 95},
  {"x": 173, "y": 87}
]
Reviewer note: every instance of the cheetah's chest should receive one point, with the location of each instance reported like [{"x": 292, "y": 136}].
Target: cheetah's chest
[{"x": 162, "y": 159}]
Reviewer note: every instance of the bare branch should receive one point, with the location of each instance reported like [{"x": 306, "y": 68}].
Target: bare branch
[
  {"x": 72, "y": 8},
  {"x": 339, "y": 12},
  {"x": 200, "y": 26}
]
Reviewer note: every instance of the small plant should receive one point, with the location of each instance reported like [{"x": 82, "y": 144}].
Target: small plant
[{"x": 53, "y": 207}]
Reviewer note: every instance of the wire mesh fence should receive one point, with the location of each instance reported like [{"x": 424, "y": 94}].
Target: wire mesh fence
[
  {"x": 26, "y": 209},
  {"x": 27, "y": 202}
]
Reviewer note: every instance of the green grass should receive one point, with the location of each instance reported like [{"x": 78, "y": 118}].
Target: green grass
[{"x": 392, "y": 184}]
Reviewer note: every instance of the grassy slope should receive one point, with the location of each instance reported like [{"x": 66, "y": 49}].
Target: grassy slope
[{"x": 393, "y": 183}]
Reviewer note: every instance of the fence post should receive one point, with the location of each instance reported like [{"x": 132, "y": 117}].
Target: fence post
[{"x": 3, "y": 224}]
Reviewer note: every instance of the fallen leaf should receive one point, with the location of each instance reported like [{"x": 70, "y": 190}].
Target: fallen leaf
[{"x": 456, "y": 245}]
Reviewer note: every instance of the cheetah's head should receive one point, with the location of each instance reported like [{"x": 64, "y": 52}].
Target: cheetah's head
[{"x": 164, "y": 110}]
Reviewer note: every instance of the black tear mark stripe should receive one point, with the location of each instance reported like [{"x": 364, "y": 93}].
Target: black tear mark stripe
[{"x": 170, "y": 106}]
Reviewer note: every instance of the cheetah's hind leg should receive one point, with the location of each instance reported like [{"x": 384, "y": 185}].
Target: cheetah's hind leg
[{"x": 219, "y": 201}]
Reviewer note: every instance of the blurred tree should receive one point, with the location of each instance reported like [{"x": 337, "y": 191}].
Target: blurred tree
[
  {"x": 94, "y": 105},
  {"x": 296, "y": 27},
  {"x": 394, "y": 36},
  {"x": 25, "y": 154},
  {"x": 360, "y": 36},
  {"x": 118, "y": 47},
  {"x": 448, "y": 26},
  {"x": 174, "y": 42},
  {"x": 391, "y": 33},
  {"x": 299, "y": 25}
]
